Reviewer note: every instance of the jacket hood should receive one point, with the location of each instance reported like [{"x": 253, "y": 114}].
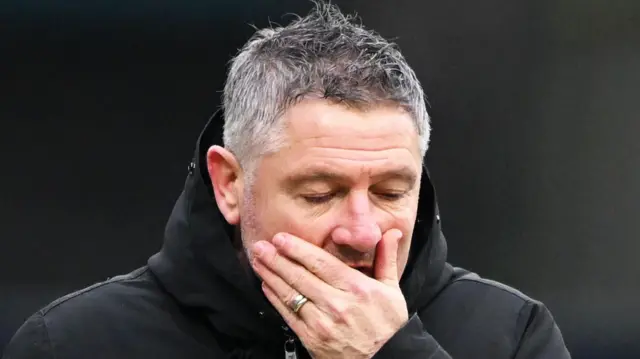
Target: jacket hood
[{"x": 199, "y": 267}]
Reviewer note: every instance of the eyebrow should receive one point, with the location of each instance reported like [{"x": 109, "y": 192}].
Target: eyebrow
[{"x": 310, "y": 175}]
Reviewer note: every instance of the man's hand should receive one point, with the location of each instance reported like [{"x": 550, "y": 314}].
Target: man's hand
[{"x": 348, "y": 315}]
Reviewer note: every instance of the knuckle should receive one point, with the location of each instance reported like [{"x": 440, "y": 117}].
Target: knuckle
[
  {"x": 297, "y": 278},
  {"x": 317, "y": 265},
  {"x": 339, "y": 311},
  {"x": 362, "y": 291}
]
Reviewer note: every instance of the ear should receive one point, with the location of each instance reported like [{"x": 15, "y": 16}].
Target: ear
[{"x": 226, "y": 179}]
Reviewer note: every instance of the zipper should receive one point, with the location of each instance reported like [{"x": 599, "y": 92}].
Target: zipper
[{"x": 290, "y": 350}]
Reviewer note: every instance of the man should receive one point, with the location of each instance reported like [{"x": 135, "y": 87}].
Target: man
[{"x": 314, "y": 231}]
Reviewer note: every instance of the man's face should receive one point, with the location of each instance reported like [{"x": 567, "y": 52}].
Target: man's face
[{"x": 344, "y": 178}]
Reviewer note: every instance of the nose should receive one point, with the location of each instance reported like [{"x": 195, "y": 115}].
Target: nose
[{"x": 359, "y": 229}]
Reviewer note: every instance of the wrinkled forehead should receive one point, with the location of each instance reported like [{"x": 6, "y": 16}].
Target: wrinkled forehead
[
  {"x": 320, "y": 123},
  {"x": 332, "y": 143}
]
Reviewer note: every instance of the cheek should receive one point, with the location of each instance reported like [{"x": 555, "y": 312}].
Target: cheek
[
  {"x": 313, "y": 231},
  {"x": 279, "y": 214}
]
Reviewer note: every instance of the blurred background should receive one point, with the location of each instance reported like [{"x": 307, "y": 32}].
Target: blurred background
[{"x": 534, "y": 154}]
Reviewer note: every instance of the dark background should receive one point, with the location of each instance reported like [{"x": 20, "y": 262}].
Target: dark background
[{"x": 534, "y": 153}]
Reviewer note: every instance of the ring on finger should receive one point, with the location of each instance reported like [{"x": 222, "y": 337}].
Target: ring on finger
[{"x": 297, "y": 302}]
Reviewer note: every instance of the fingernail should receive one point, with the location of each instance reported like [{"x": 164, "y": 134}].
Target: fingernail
[
  {"x": 279, "y": 239},
  {"x": 258, "y": 248},
  {"x": 256, "y": 264}
]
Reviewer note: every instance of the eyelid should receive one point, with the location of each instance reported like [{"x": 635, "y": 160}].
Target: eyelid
[
  {"x": 324, "y": 197},
  {"x": 318, "y": 198},
  {"x": 391, "y": 195}
]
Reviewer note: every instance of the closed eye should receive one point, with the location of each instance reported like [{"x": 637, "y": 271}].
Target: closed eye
[
  {"x": 327, "y": 197},
  {"x": 391, "y": 196},
  {"x": 319, "y": 198}
]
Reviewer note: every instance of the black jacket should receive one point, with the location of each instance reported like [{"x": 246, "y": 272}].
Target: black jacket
[{"x": 194, "y": 299}]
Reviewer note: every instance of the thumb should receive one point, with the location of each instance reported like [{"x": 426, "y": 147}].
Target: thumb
[{"x": 386, "y": 262}]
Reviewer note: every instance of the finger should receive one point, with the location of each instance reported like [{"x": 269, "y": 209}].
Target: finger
[
  {"x": 288, "y": 279},
  {"x": 293, "y": 320},
  {"x": 386, "y": 264},
  {"x": 278, "y": 286},
  {"x": 316, "y": 260}
]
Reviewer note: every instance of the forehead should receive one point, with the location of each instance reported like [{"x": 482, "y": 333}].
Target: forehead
[
  {"x": 332, "y": 139},
  {"x": 317, "y": 123}
]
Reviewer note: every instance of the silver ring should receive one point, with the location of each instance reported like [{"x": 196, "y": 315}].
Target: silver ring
[{"x": 298, "y": 302}]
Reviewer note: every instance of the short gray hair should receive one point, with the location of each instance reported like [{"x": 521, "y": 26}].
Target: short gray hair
[{"x": 324, "y": 54}]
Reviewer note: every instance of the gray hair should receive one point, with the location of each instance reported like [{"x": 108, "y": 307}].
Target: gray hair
[{"x": 324, "y": 54}]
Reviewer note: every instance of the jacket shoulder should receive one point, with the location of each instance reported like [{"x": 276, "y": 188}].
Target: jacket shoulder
[
  {"x": 491, "y": 318},
  {"x": 492, "y": 288},
  {"x": 31, "y": 341},
  {"x": 102, "y": 296},
  {"x": 97, "y": 312}
]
